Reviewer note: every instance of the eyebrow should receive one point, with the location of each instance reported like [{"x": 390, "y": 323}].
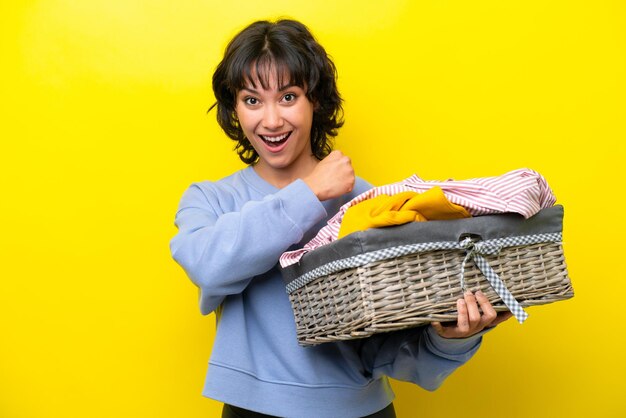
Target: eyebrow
[
  {"x": 285, "y": 87},
  {"x": 282, "y": 88}
]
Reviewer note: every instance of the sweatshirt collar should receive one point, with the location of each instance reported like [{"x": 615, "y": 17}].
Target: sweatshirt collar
[{"x": 257, "y": 182}]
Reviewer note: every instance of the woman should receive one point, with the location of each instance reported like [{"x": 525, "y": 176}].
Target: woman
[{"x": 277, "y": 98}]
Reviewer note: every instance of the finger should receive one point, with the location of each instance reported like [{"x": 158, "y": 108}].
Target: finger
[
  {"x": 336, "y": 153},
  {"x": 489, "y": 314},
  {"x": 462, "y": 324},
  {"x": 472, "y": 310}
]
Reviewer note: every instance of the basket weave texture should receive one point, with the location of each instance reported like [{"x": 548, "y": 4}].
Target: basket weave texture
[{"x": 418, "y": 288}]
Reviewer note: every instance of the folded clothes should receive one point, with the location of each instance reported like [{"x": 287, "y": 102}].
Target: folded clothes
[
  {"x": 404, "y": 207},
  {"x": 522, "y": 191}
]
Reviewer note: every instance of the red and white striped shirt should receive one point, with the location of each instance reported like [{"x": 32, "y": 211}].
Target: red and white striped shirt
[{"x": 522, "y": 191}]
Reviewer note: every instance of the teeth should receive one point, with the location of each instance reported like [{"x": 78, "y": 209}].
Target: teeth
[{"x": 274, "y": 138}]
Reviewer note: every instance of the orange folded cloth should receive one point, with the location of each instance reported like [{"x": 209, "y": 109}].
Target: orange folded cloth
[{"x": 398, "y": 209}]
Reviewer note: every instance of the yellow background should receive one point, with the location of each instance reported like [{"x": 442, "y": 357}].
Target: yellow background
[{"x": 103, "y": 127}]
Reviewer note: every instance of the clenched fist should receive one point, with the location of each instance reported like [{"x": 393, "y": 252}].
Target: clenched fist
[{"x": 332, "y": 177}]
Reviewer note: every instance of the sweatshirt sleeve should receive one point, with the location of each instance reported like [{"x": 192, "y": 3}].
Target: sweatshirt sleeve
[
  {"x": 222, "y": 252},
  {"x": 417, "y": 355}
]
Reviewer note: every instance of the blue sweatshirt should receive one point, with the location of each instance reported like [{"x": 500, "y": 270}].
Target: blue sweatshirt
[{"x": 230, "y": 236}]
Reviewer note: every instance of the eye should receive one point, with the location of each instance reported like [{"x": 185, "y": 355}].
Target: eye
[
  {"x": 289, "y": 97},
  {"x": 251, "y": 101}
]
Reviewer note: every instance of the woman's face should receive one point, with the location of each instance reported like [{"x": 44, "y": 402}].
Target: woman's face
[{"x": 277, "y": 122}]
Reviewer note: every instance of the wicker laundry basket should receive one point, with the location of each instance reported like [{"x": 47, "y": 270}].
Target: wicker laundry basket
[{"x": 404, "y": 276}]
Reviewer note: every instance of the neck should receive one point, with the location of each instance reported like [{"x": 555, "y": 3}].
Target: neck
[{"x": 282, "y": 177}]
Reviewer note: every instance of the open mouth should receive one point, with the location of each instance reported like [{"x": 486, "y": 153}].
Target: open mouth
[{"x": 275, "y": 141}]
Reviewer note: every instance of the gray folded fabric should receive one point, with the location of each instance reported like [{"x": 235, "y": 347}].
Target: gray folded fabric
[{"x": 549, "y": 220}]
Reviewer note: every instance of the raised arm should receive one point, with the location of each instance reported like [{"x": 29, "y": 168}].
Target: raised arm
[{"x": 222, "y": 245}]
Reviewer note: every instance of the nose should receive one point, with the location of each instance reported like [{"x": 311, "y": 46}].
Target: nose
[{"x": 272, "y": 117}]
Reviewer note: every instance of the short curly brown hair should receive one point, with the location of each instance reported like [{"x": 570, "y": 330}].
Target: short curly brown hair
[{"x": 288, "y": 48}]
